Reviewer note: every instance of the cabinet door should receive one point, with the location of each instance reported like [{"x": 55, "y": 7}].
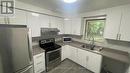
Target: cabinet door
[
  {"x": 44, "y": 21},
  {"x": 34, "y": 24},
  {"x": 19, "y": 18},
  {"x": 60, "y": 24},
  {"x": 39, "y": 63},
  {"x": 125, "y": 24},
  {"x": 82, "y": 57},
  {"x": 65, "y": 52},
  {"x": 73, "y": 53},
  {"x": 113, "y": 22},
  {"x": 76, "y": 25},
  {"x": 53, "y": 23},
  {"x": 67, "y": 26},
  {"x": 94, "y": 62}
]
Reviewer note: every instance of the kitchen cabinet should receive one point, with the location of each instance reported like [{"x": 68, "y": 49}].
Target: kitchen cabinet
[
  {"x": 60, "y": 25},
  {"x": 125, "y": 24},
  {"x": 19, "y": 18},
  {"x": 117, "y": 23},
  {"x": 44, "y": 21},
  {"x": 87, "y": 59},
  {"x": 76, "y": 26},
  {"x": 53, "y": 21},
  {"x": 34, "y": 24},
  {"x": 73, "y": 54},
  {"x": 94, "y": 62},
  {"x": 72, "y": 26},
  {"x": 67, "y": 27},
  {"x": 65, "y": 52},
  {"x": 113, "y": 23},
  {"x": 56, "y": 22},
  {"x": 82, "y": 58},
  {"x": 39, "y": 63}
]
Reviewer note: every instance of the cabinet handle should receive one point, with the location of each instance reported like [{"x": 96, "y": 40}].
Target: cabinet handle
[{"x": 117, "y": 37}]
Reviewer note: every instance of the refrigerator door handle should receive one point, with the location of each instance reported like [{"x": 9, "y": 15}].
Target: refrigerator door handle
[
  {"x": 30, "y": 45},
  {"x": 26, "y": 69}
]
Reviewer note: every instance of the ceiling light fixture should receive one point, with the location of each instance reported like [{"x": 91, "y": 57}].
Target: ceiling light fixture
[
  {"x": 35, "y": 14},
  {"x": 69, "y": 1}
]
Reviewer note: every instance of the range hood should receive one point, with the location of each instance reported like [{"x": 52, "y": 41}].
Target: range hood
[
  {"x": 45, "y": 30},
  {"x": 49, "y": 33}
]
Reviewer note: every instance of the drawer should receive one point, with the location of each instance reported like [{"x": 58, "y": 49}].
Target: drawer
[
  {"x": 40, "y": 67},
  {"x": 38, "y": 58}
]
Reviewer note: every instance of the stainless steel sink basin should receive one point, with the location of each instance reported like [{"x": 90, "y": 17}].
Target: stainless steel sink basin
[
  {"x": 87, "y": 46},
  {"x": 91, "y": 47}
]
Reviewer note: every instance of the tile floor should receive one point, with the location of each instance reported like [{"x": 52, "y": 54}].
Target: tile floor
[{"x": 68, "y": 66}]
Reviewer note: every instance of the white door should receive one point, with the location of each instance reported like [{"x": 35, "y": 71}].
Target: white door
[
  {"x": 44, "y": 21},
  {"x": 73, "y": 53},
  {"x": 94, "y": 62},
  {"x": 19, "y": 18},
  {"x": 125, "y": 24},
  {"x": 113, "y": 20},
  {"x": 34, "y": 24},
  {"x": 65, "y": 52}
]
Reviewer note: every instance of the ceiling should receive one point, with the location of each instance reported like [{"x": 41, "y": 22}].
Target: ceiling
[{"x": 80, "y": 6}]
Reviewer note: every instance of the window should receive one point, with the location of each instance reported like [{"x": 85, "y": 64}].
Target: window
[{"x": 94, "y": 28}]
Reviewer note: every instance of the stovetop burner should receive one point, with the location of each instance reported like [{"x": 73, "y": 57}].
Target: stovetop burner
[{"x": 49, "y": 44}]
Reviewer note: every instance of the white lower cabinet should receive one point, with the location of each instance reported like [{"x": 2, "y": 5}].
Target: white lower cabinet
[
  {"x": 87, "y": 59},
  {"x": 94, "y": 62},
  {"x": 39, "y": 63}
]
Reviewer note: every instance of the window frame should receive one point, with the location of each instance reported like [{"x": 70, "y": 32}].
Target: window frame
[{"x": 86, "y": 27}]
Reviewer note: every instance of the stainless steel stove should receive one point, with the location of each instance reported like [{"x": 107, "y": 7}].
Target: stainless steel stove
[{"x": 52, "y": 53}]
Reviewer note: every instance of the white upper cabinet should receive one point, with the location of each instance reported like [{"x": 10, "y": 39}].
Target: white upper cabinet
[
  {"x": 76, "y": 25},
  {"x": 44, "y": 21},
  {"x": 60, "y": 24},
  {"x": 117, "y": 23},
  {"x": 67, "y": 26},
  {"x": 53, "y": 23},
  {"x": 112, "y": 23},
  {"x": 72, "y": 26},
  {"x": 19, "y": 18},
  {"x": 125, "y": 24},
  {"x": 34, "y": 24}
]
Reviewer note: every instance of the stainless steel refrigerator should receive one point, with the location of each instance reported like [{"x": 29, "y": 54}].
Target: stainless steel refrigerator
[{"x": 15, "y": 49}]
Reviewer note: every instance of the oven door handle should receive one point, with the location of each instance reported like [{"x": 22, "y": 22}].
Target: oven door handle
[{"x": 53, "y": 51}]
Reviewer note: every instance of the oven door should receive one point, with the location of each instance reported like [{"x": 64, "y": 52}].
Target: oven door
[
  {"x": 53, "y": 59},
  {"x": 53, "y": 55}
]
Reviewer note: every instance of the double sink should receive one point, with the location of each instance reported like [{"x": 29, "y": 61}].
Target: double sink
[{"x": 92, "y": 47}]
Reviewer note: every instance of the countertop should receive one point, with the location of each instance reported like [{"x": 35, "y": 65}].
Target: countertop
[
  {"x": 107, "y": 52},
  {"x": 37, "y": 50}
]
